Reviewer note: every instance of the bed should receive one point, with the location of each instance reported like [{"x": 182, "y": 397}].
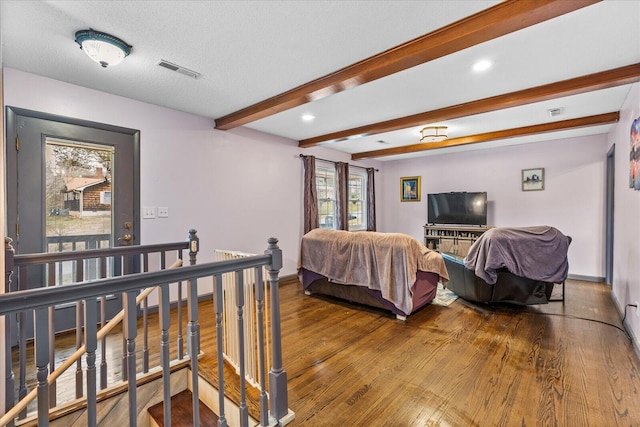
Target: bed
[{"x": 392, "y": 271}]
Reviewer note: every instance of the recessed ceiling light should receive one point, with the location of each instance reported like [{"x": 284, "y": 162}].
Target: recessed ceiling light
[
  {"x": 308, "y": 117},
  {"x": 482, "y": 65}
]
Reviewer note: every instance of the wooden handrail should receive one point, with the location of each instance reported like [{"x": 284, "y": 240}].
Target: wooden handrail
[{"x": 22, "y": 404}]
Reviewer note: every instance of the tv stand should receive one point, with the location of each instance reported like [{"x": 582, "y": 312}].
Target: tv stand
[{"x": 453, "y": 239}]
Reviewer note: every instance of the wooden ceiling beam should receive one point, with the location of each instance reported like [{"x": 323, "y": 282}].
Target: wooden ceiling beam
[
  {"x": 602, "y": 80},
  {"x": 596, "y": 120},
  {"x": 499, "y": 20}
]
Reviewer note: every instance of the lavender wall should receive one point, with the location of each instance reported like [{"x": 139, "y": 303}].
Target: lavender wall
[
  {"x": 626, "y": 246},
  {"x": 572, "y": 201},
  {"x": 237, "y": 188}
]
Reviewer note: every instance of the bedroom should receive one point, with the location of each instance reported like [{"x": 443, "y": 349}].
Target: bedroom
[{"x": 182, "y": 153}]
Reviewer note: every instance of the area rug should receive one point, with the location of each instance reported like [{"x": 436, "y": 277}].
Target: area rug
[{"x": 444, "y": 296}]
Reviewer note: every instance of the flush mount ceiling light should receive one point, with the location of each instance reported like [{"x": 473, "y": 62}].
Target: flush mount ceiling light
[
  {"x": 308, "y": 117},
  {"x": 103, "y": 48},
  {"x": 433, "y": 134}
]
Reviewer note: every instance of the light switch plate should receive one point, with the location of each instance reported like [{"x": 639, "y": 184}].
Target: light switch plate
[
  {"x": 163, "y": 212},
  {"x": 148, "y": 212}
]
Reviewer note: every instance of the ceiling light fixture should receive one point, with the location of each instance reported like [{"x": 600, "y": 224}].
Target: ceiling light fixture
[
  {"x": 103, "y": 48},
  {"x": 308, "y": 117},
  {"x": 433, "y": 134}
]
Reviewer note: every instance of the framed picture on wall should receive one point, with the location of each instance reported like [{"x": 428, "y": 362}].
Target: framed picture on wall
[
  {"x": 410, "y": 189},
  {"x": 533, "y": 179}
]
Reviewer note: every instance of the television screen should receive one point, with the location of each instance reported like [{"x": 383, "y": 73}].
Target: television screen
[{"x": 460, "y": 208}]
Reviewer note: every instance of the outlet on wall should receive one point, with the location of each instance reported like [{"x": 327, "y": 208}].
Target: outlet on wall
[{"x": 163, "y": 212}]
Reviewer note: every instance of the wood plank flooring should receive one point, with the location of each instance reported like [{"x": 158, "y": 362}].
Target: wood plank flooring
[{"x": 461, "y": 365}]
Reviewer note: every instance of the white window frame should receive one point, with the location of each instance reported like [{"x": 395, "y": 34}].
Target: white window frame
[
  {"x": 357, "y": 196},
  {"x": 326, "y": 169},
  {"x": 103, "y": 198}
]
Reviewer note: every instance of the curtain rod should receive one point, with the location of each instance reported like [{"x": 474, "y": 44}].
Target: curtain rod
[{"x": 331, "y": 161}]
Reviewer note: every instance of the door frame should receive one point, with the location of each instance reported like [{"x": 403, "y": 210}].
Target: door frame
[
  {"x": 13, "y": 122},
  {"x": 609, "y": 212}
]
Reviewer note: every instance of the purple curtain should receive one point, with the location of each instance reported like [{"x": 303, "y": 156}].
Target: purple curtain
[
  {"x": 310, "y": 194},
  {"x": 371, "y": 200},
  {"x": 342, "y": 195}
]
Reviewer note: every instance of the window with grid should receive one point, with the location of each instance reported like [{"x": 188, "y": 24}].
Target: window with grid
[
  {"x": 326, "y": 190},
  {"x": 357, "y": 201}
]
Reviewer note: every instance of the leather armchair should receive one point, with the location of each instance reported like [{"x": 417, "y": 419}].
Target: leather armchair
[{"x": 508, "y": 288}]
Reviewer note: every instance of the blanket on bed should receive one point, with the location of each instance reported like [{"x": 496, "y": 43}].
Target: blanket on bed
[
  {"x": 387, "y": 262},
  {"x": 538, "y": 253}
]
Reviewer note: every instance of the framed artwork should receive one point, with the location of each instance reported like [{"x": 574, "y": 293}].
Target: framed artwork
[
  {"x": 533, "y": 179},
  {"x": 634, "y": 155},
  {"x": 410, "y": 189}
]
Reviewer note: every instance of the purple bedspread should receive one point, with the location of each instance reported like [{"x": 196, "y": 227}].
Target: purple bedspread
[{"x": 538, "y": 253}]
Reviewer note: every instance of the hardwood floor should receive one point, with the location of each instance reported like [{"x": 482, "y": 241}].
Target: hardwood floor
[{"x": 461, "y": 365}]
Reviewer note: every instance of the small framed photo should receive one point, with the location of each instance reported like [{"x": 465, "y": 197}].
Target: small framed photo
[
  {"x": 533, "y": 179},
  {"x": 410, "y": 189}
]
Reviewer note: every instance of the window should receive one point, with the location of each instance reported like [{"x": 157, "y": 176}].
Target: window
[
  {"x": 105, "y": 197},
  {"x": 357, "y": 200},
  {"x": 326, "y": 190}
]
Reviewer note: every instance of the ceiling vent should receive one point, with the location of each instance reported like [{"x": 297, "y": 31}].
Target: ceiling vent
[
  {"x": 178, "y": 69},
  {"x": 553, "y": 112}
]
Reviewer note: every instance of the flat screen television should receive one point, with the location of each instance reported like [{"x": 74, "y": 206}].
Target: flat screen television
[{"x": 459, "y": 208}]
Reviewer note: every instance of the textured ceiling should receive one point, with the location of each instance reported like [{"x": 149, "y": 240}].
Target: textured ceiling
[{"x": 250, "y": 51}]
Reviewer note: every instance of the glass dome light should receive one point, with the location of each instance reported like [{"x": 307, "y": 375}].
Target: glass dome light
[{"x": 103, "y": 48}]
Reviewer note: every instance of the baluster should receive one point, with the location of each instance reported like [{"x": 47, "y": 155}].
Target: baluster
[
  {"x": 244, "y": 411},
  {"x": 79, "y": 320},
  {"x": 51, "y": 280},
  {"x": 218, "y": 303},
  {"x": 145, "y": 321},
  {"x": 277, "y": 375},
  {"x": 22, "y": 342},
  {"x": 194, "y": 248},
  {"x": 91, "y": 343},
  {"x": 259, "y": 292},
  {"x": 193, "y": 347},
  {"x": 125, "y": 373},
  {"x": 9, "y": 375},
  {"x": 103, "y": 322},
  {"x": 41, "y": 343},
  {"x": 180, "y": 341},
  {"x": 130, "y": 327},
  {"x": 164, "y": 316}
]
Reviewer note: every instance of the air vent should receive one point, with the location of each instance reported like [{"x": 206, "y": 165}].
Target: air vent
[
  {"x": 178, "y": 69},
  {"x": 553, "y": 112}
]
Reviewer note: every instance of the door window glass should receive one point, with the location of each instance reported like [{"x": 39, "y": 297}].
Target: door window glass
[{"x": 78, "y": 209}]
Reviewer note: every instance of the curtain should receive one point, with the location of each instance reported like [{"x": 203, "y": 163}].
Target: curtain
[
  {"x": 342, "y": 195},
  {"x": 371, "y": 200},
  {"x": 310, "y": 194}
]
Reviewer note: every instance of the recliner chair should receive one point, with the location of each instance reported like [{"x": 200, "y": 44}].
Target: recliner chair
[
  {"x": 508, "y": 288},
  {"x": 471, "y": 277}
]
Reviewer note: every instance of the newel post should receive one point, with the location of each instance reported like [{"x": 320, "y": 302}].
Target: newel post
[
  {"x": 194, "y": 246},
  {"x": 279, "y": 402},
  {"x": 9, "y": 378},
  {"x": 193, "y": 326}
]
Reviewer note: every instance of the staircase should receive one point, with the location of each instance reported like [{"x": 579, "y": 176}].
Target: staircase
[
  {"x": 181, "y": 412},
  {"x": 181, "y": 403}
]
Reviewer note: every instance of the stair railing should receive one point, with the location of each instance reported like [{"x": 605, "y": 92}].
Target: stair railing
[
  {"x": 39, "y": 301},
  {"x": 110, "y": 262}
]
